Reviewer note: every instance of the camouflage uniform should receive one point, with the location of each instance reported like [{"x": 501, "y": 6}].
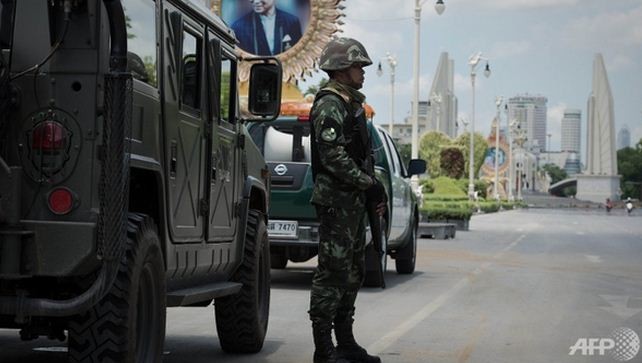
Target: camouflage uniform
[
  {"x": 340, "y": 156},
  {"x": 340, "y": 202}
]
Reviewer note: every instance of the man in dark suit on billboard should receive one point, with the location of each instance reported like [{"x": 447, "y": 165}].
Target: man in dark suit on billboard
[{"x": 267, "y": 30}]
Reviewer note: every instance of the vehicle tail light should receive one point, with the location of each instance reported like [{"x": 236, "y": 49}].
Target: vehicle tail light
[
  {"x": 49, "y": 136},
  {"x": 303, "y": 118},
  {"x": 60, "y": 201}
]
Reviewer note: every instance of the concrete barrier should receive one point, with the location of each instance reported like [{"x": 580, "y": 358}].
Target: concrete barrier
[{"x": 436, "y": 230}]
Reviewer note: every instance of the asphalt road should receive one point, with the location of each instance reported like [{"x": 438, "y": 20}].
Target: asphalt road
[{"x": 521, "y": 286}]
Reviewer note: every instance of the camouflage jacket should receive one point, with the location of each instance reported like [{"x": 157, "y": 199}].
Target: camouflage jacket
[{"x": 340, "y": 180}]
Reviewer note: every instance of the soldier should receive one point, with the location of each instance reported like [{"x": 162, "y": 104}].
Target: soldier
[{"x": 342, "y": 166}]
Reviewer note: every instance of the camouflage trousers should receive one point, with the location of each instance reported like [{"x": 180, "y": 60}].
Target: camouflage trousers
[{"x": 341, "y": 267}]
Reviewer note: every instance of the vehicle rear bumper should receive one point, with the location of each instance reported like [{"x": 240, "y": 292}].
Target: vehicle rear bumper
[
  {"x": 46, "y": 248},
  {"x": 307, "y": 235}
]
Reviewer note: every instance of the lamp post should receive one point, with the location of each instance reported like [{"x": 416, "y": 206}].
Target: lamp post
[
  {"x": 520, "y": 139},
  {"x": 548, "y": 146},
  {"x": 435, "y": 100},
  {"x": 463, "y": 121},
  {"x": 498, "y": 102},
  {"x": 414, "y": 149},
  {"x": 392, "y": 62},
  {"x": 473, "y": 61},
  {"x": 512, "y": 128}
]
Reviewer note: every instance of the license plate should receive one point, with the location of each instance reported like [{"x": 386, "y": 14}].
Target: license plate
[{"x": 282, "y": 228}]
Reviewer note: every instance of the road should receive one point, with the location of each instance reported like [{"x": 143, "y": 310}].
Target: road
[{"x": 521, "y": 286}]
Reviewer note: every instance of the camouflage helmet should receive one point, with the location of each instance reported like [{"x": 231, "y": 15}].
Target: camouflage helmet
[{"x": 342, "y": 53}]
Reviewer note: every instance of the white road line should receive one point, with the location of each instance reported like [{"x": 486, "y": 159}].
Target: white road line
[
  {"x": 402, "y": 329},
  {"x": 593, "y": 258}
]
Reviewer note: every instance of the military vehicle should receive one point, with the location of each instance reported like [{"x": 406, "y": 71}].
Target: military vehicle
[{"x": 128, "y": 181}]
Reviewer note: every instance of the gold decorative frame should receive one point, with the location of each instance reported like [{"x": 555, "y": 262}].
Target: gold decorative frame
[{"x": 300, "y": 60}]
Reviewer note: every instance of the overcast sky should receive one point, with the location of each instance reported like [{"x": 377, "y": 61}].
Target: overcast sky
[{"x": 539, "y": 47}]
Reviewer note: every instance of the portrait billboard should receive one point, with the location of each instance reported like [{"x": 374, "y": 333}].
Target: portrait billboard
[{"x": 267, "y": 27}]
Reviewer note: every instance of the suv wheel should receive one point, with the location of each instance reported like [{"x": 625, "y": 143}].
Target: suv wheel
[
  {"x": 242, "y": 318},
  {"x": 128, "y": 324},
  {"x": 407, "y": 255}
]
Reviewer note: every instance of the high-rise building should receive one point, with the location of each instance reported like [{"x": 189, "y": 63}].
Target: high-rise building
[
  {"x": 623, "y": 138},
  {"x": 443, "y": 103},
  {"x": 530, "y": 111},
  {"x": 571, "y": 130}
]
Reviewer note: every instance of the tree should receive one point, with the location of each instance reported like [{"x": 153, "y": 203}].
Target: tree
[
  {"x": 629, "y": 165},
  {"x": 405, "y": 152},
  {"x": 452, "y": 162},
  {"x": 430, "y": 145},
  {"x": 313, "y": 89},
  {"x": 480, "y": 146},
  {"x": 556, "y": 173}
]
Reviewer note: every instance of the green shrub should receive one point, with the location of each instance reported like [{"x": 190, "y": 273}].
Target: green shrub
[
  {"x": 489, "y": 207},
  {"x": 447, "y": 186},
  {"x": 452, "y": 162},
  {"x": 444, "y": 198},
  {"x": 480, "y": 187},
  {"x": 427, "y": 186},
  {"x": 441, "y": 214}
]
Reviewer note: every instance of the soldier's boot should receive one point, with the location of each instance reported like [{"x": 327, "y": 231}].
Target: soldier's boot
[
  {"x": 347, "y": 347},
  {"x": 324, "y": 350}
]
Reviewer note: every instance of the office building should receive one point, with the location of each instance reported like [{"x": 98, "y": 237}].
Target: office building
[
  {"x": 623, "y": 138},
  {"x": 530, "y": 111}
]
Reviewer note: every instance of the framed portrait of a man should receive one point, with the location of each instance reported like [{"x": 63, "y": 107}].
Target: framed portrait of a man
[{"x": 267, "y": 27}]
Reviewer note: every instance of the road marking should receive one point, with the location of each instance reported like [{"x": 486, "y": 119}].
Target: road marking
[
  {"x": 580, "y": 233},
  {"x": 593, "y": 258},
  {"x": 618, "y": 305},
  {"x": 402, "y": 329}
]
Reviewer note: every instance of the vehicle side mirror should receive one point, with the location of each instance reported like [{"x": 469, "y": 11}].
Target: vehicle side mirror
[
  {"x": 265, "y": 90},
  {"x": 416, "y": 167}
]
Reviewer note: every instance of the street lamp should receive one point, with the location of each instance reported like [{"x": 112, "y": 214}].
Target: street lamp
[
  {"x": 520, "y": 139},
  {"x": 439, "y": 8},
  {"x": 498, "y": 102},
  {"x": 548, "y": 146},
  {"x": 462, "y": 121},
  {"x": 512, "y": 128},
  {"x": 473, "y": 61},
  {"x": 435, "y": 100},
  {"x": 392, "y": 62}
]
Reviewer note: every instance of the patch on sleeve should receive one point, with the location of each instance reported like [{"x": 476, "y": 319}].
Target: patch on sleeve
[
  {"x": 330, "y": 130},
  {"x": 329, "y": 134}
]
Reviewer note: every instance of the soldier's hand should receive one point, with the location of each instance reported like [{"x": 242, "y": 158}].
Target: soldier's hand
[
  {"x": 381, "y": 209},
  {"x": 376, "y": 193}
]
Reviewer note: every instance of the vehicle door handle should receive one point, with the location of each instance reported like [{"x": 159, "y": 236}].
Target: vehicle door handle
[{"x": 172, "y": 159}]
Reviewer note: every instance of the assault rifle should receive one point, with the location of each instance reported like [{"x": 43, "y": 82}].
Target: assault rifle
[{"x": 375, "y": 230}]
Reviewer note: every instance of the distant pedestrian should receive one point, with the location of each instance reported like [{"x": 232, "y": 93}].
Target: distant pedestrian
[
  {"x": 629, "y": 206},
  {"x": 608, "y": 205}
]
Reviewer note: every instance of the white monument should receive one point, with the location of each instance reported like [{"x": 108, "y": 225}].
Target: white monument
[{"x": 600, "y": 179}]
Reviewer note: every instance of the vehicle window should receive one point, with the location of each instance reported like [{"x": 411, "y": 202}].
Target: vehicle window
[
  {"x": 141, "y": 39},
  {"x": 192, "y": 61},
  {"x": 227, "y": 86},
  {"x": 395, "y": 155},
  {"x": 382, "y": 152}
]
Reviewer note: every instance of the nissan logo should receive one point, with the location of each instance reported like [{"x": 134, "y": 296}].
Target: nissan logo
[{"x": 280, "y": 169}]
